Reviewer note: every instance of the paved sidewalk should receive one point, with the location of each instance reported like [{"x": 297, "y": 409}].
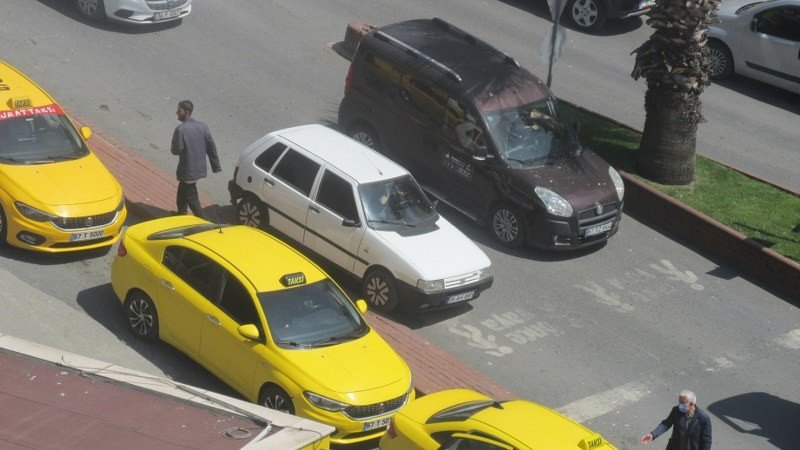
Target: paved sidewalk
[{"x": 150, "y": 193}]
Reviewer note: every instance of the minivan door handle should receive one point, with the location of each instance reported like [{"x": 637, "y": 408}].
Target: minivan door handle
[{"x": 213, "y": 319}]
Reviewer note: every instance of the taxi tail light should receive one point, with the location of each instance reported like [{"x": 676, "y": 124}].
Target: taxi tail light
[
  {"x": 348, "y": 81},
  {"x": 390, "y": 431},
  {"x": 121, "y": 250}
]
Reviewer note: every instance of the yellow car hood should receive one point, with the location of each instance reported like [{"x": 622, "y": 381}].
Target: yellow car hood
[
  {"x": 84, "y": 180},
  {"x": 356, "y": 366}
]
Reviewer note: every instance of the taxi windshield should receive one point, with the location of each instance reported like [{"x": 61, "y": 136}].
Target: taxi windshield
[
  {"x": 312, "y": 315},
  {"x": 396, "y": 202},
  {"x": 531, "y": 134},
  {"x": 39, "y": 139}
]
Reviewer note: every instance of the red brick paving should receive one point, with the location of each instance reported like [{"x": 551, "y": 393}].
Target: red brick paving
[{"x": 150, "y": 192}]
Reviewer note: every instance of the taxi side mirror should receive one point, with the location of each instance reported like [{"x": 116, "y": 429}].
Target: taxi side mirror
[
  {"x": 86, "y": 132},
  {"x": 249, "y": 331},
  {"x": 361, "y": 305}
]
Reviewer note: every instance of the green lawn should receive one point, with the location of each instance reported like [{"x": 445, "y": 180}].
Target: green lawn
[{"x": 758, "y": 210}]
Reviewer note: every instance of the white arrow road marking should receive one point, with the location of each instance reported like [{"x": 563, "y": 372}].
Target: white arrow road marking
[{"x": 790, "y": 340}]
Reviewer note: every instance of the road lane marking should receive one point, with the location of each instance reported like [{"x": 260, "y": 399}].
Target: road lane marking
[
  {"x": 596, "y": 405},
  {"x": 790, "y": 340}
]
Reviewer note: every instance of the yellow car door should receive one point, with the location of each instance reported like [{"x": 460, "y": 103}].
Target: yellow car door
[
  {"x": 188, "y": 283},
  {"x": 232, "y": 335}
]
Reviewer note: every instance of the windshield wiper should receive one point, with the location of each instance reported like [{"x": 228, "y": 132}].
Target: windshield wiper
[
  {"x": 292, "y": 343},
  {"x": 393, "y": 222},
  {"x": 349, "y": 336}
]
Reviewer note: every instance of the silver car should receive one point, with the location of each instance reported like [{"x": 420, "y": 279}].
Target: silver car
[
  {"x": 134, "y": 11},
  {"x": 760, "y": 40}
]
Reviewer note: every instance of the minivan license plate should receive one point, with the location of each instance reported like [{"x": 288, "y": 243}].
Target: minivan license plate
[
  {"x": 598, "y": 229},
  {"x": 460, "y": 297},
  {"x": 86, "y": 235},
  {"x": 376, "y": 424}
]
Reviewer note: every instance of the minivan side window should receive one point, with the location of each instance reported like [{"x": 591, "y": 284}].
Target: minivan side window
[
  {"x": 336, "y": 194},
  {"x": 267, "y": 159},
  {"x": 782, "y": 22},
  {"x": 297, "y": 170},
  {"x": 462, "y": 128},
  {"x": 380, "y": 75},
  {"x": 424, "y": 100}
]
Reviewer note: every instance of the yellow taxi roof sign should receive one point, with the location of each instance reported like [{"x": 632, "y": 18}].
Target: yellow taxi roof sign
[{"x": 19, "y": 102}]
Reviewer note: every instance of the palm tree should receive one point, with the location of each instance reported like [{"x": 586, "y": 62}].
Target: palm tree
[{"x": 674, "y": 61}]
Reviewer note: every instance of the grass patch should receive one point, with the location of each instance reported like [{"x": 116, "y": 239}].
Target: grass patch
[{"x": 758, "y": 210}]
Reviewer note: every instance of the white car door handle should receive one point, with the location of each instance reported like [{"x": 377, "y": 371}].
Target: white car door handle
[
  {"x": 269, "y": 182},
  {"x": 213, "y": 320},
  {"x": 313, "y": 208},
  {"x": 167, "y": 284}
]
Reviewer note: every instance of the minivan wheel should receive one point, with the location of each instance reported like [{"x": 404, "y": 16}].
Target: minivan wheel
[
  {"x": 720, "y": 60},
  {"x": 364, "y": 134},
  {"x": 276, "y": 398},
  {"x": 142, "y": 316},
  {"x": 508, "y": 226},
  {"x": 587, "y": 15},
  {"x": 91, "y": 9},
  {"x": 252, "y": 212},
  {"x": 380, "y": 290}
]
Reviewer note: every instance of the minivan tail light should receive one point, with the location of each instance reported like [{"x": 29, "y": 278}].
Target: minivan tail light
[
  {"x": 121, "y": 250},
  {"x": 348, "y": 81}
]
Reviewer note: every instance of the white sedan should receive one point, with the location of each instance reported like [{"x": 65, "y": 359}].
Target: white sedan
[
  {"x": 134, "y": 11},
  {"x": 760, "y": 40}
]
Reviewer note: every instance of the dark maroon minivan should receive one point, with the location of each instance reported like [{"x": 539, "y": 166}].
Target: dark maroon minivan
[{"x": 481, "y": 134}]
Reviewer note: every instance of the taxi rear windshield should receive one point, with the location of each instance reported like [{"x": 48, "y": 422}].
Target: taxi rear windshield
[{"x": 37, "y": 139}]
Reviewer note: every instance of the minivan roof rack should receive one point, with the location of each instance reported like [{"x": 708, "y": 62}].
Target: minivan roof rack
[
  {"x": 473, "y": 40},
  {"x": 411, "y": 51}
]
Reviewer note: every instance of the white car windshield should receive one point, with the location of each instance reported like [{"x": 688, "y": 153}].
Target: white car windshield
[
  {"x": 39, "y": 139},
  {"x": 531, "y": 134},
  {"x": 311, "y": 315},
  {"x": 396, "y": 202}
]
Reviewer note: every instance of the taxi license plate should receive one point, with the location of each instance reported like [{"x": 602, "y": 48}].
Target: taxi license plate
[
  {"x": 460, "y": 297},
  {"x": 86, "y": 235},
  {"x": 375, "y": 424},
  {"x": 598, "y": 229},
  {"x": 164, "y": 15}
]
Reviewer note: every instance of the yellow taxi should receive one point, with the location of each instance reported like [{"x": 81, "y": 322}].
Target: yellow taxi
[
  {"x": 264, "y": 319},
  {"x": 464, "y": 419},
  {"x": 55, "y": 195}
]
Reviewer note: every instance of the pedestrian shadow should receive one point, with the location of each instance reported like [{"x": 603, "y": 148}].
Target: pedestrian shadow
[
  {"x": 101, "y": 304},
  {"x": 761, "y": 414},
  {"x": 214, "y": 213}
]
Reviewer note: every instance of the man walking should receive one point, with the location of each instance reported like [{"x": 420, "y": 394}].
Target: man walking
[
  {"x": 691, "y": 426},
  {"x": 192, "y": 142}
]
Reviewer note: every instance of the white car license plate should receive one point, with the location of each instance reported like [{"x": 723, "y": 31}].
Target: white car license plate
[
  {"x": 164, "y": 15},
  {"x": 375, "y": 424},
  {"x": 460, "y": 297},
  {"x": 86, "y": 235},
  {"x": 598, "y": 229}
]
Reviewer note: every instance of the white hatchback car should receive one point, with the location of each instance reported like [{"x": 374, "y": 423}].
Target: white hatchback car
[
  {"x": 361, "y": 211},
  {"x": 134, "y": 11},
  {"x": 757, "y": 39}
]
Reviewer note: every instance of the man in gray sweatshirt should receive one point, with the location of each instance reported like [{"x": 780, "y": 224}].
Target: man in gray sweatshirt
[{"x": 192, "y": 142}]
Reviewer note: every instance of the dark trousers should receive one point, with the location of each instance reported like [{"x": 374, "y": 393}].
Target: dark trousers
[{"x": 188, "y": 198}]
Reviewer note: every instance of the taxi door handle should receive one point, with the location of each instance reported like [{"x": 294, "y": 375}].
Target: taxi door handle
[
  {"x": 167, "y": 284},
  {"x": 213, "y": 320}
]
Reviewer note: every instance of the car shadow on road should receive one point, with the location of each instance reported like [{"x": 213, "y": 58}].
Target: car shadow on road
[
  {"x": 761, "y": 414},
  {"x": 612, "y": 27},
  {"x": 67, "y": 8},
  {"x": 101, "y": 304},
  {"x": 762, "y": 92}
]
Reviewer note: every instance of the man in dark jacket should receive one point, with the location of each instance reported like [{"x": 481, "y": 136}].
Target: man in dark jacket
[
  {"x": 192, "y": 142},
  {"x": 691, "y": 426}
]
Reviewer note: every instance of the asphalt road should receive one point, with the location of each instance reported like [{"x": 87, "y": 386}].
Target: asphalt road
[{"x": 607, "y": 335}]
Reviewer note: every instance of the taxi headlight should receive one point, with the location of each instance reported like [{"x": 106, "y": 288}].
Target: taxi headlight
[
  {"x": 430, "y": 285},
  {"x": 324, "y": 402},
  {"x": 554, "y": 203},
  {"x": 618, "y": 183},
  {"x": 33, "y": 213}
]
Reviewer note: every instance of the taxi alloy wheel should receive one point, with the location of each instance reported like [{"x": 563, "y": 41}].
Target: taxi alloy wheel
[
  {"x": 380, "y": 290},
  {"x": 508, "y": 226},
  {"x": 3, "y": 229},
  {"x": 252, "y": 212},
  {"x": 276, "y": 398},
  {"x": 91, "y": 9},
  {"x": 364, "y": 134},
  {"x": 142, "y": 316}
]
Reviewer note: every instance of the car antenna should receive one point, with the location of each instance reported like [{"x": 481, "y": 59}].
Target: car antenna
[
  {"x": 216, "y": 217},
  {"x": 373, "y": 163}
]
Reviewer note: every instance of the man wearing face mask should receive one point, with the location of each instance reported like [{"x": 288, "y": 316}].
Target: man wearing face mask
[{"x": 691, "y": 426}]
